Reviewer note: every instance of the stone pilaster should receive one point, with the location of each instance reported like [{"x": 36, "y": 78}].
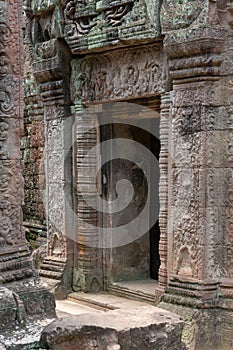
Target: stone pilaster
[
  {"x": 224, "y": 159},
  {"x": 198, "y": 180},
  {"x": 21, "y": 292},
  {"x": 51, "y": 71},
  {"x": 201, "y": 172}
]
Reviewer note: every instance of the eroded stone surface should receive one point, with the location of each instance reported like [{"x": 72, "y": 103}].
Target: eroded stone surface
[
  {"x": 143, "y": 328},
  {"x": 24, "y": 337},
  {"x": 203, "y": 328},
  {"x": 8, "y": 308}
]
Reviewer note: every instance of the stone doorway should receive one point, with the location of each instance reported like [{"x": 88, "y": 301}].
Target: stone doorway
[{"x": 139, "y": 260}]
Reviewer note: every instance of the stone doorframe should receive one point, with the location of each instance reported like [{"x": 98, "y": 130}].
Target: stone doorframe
[{"x": 119, "y": 75}]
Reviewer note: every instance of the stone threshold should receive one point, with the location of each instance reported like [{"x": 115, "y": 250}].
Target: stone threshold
[
  {"x": 141, "y": 290},
  {"x": 103, "y": 301}
]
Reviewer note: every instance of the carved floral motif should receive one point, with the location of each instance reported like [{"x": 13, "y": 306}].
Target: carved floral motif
[
  {"x": 116, "y": 11},
  {"x": 83, "y": 14},
  {"x": 9, "y": 96}
]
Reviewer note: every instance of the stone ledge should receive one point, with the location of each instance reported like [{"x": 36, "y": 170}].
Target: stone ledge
[{"x": 144, "y": 328}]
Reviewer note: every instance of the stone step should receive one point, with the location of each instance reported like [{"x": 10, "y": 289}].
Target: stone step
[
  {"x": 103, "y": 301},
  {"x": 82, "y": 298},
  {"x": 46, "y": 266},
  {"x": 129, "y": 293},
  {"x": 53, "y": 263},
  {"x": 52, "y": 268},
  {"x": 54, "y": 260},
  {"x": 50, "y": 274}
]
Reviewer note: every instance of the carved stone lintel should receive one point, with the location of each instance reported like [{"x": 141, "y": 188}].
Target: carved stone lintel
[{"x": 121, "y": 75}]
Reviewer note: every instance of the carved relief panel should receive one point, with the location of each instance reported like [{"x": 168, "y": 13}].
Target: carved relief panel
[{"x": 118, "y": 75}]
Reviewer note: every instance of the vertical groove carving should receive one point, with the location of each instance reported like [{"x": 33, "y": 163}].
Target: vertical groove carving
[
  {"x": 163, "y": 187},
  {"x": 88, "y": 240}
]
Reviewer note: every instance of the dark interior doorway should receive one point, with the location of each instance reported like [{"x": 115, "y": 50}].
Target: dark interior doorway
[{"x": 138, "y": 260}]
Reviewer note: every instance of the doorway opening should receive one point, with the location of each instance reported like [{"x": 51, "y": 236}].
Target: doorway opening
[{"x": 138, "y": 260}]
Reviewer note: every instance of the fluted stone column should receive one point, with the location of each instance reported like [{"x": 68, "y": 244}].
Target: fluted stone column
[
  {"x": 88, "y": 274},
  {"x": 163, "y": 187}
]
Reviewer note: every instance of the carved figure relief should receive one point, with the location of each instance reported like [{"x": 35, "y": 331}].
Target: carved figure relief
[
  {"x": 119, "y": 75},
  {"x": 5, "y": 226},
  {"x": 4, "y": 126},
  {"x": 184, "y": 263},
  {"x": 57, "y": 246}
]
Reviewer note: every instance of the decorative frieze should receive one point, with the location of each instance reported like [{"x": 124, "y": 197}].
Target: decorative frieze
[{"x": 118, "y": 75}]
